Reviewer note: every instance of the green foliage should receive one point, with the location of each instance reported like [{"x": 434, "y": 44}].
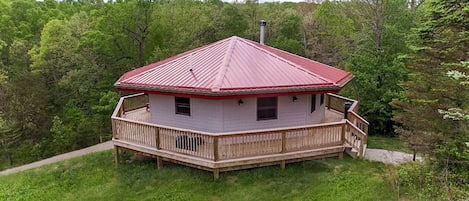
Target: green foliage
[
  {"x": 422, "y": 182},
  {"x": 93, "y": 177},
  {"x": 434, "y": 105},
  {"x": 333, "y": 33},
  {"x": 377, "y": 61},
  {"x": 232, "y": 22},
  {"x": 289, "y": 45},
  {"x": 290, "y": 27},
  {"x": 388, "y": 143}
]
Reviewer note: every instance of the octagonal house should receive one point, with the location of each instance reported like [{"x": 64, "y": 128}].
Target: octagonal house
[{"x": 237, "y": 104}]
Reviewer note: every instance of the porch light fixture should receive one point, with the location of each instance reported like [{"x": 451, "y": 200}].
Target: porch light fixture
[
  {"x": 294, "y": 98},
  {"x": 240, "y": 101}
]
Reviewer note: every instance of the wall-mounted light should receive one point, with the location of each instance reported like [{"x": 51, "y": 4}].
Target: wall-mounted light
[
  {"x": 240, "y": 101},
  {"x": 294, "y": 98}
]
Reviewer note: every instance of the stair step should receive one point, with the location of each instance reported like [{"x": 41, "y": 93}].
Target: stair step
[{"x": 351, "y": 152}]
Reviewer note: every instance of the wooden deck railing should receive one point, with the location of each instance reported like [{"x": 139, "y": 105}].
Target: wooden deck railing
[
  {"x": 357, "y": 127},
  {"x": 351, "y": 132},
  {"x": 231, "y": 145}
]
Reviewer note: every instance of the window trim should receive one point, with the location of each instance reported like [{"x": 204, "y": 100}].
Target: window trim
[
  {"x": 183, "y": 105},
  {"x": 261, "y": 108}
]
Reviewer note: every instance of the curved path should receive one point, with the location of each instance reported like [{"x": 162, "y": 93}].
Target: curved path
[
  {"x": 380, "y": 155},
  {"x": 389, "y": 157},
  {"x": 95, "y": 148}
]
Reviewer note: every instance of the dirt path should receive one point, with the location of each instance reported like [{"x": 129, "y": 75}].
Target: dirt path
[
  {"x": 380, "y": 155},
  {"x": 389, "y": 157},
  {"x": 96, "y": 148}
]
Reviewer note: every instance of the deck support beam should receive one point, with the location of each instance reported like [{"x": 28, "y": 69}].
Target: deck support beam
[
  {"x": 341, "y": 155},
  {"x": 282, "y": 164},
  {"x": 116, "y": 155},
  {"x": 216, "y": 173},
  {"x": 159, "y": 162}
]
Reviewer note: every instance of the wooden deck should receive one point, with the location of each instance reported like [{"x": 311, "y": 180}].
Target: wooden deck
[{"x": 219, "y": 152}]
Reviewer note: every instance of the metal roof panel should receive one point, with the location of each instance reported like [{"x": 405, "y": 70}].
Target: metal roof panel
[{"x": 234, "y": 65}]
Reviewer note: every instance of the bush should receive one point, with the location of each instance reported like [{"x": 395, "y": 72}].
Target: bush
[{"x": 426, "y": 182}]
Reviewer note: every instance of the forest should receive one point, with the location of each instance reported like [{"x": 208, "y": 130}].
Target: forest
[{"x": 60, "y": 59}]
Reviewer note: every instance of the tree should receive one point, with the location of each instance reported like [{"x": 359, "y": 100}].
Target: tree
[
  {"x": 25, "y": 108},
  {"x": 330, "y": 41},
  {"x": 182, "y": 26},
  {"x": 376, "y": 60},
  {"x": 289, "y": 36},
  {"x": 232, "y": 22},
  {"x": 432, "y": 109}
]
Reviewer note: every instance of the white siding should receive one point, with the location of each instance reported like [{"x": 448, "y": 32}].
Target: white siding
[
  {"x": 228, "y": 115},
  {"x": 244, "y": 117},
  {"x": 206, "y": 115}
]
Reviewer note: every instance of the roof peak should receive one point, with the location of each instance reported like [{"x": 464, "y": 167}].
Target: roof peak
[
  {"x": 224, "y": 66},
  {"x": 234, "y": 65}
]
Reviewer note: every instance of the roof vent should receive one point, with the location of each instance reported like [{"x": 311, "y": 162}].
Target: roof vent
[{"x": 262, "y": 37}]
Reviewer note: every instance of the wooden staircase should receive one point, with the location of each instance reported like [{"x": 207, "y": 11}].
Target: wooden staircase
[{"x": 353, "y": 152}]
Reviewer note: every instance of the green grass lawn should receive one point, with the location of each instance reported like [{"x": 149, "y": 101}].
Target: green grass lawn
[
  {"x": 94, "y": 177},
  {"x": 389, "y": 143}
]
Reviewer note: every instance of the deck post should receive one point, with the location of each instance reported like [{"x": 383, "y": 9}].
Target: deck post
[
  {"x": 157, "y": 137},
  {"x": 113, "y": 126},
  {"x": 342, "y": 137},
  {"x": 216, "y": 173},
  {"x": 123, "y": 108},
  {"x": 284, "y": 143},
  {"x": 159, "y": 162},
  {"x": 341, "y": 155},
  {"x": 347, "y": 106},
  {"x": 328, "y": 102},
  {"x": 116, "y": 155},
  {"x": 215, "y": 149}
]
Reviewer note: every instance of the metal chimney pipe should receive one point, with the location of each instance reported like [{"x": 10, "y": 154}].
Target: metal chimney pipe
[{"x": 262, "y": 37}]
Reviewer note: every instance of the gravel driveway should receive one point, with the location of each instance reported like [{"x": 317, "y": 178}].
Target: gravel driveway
[{"x": 389, "y": 157}]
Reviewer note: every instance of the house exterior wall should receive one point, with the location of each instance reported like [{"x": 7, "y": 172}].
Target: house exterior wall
[
  {"x": 206, "y": 115},
  {"x": 227, "y": 115},
  {"x": 289, "y": 113}
]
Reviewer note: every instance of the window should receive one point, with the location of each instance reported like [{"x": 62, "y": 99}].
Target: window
[
  {"x": 313, "y": 103},
  {"x": 266, "y": 108},
  {"x": 183, "y": 106},
  {"x": 322, "y": 99}
]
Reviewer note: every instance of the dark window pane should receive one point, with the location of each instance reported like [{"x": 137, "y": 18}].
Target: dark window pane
[
  {"x": 313, "y": 103},
  {"x": 183, "y": 106},
  {"x": 322, "y": 99},
  {"x": 267, "y": 108}
]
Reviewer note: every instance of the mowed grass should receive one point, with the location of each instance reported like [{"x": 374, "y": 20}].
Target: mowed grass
[
  {"x": 94, "y": 177},
  {"x": 388, "y": 143}
]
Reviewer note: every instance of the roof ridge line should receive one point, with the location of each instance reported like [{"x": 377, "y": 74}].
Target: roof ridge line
[
  {"x": 187, "y": 54},
  {"x": 289, "y": 62},
  {"x": 224, "y": 66}
]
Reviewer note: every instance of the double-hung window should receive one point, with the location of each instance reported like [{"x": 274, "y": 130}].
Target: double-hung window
[
  {"x": 183, "y": 106},
  {"x": 267, "y": 108}
]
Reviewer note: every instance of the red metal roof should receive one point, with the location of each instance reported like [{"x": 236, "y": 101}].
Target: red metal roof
[{"x": 234, "y": 66}]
